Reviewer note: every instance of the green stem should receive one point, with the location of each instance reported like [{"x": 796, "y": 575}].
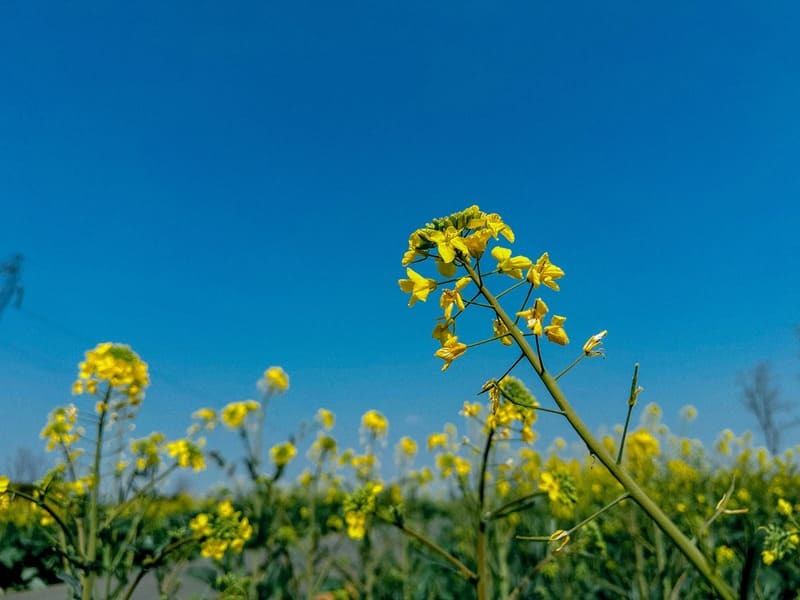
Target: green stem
[
  {"x": 482, "y": 540},
  {"x": 631, "y": 404},
  {"x": 691, "y": 552},
  {"x": 570, "y": 366},
  {"x": 91, "y": 538},
  {"x": 465, "y": 571}
]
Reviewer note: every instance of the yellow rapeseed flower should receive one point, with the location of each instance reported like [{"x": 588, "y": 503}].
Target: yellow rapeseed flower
[
  {"x": 418, "y": 286},
  {"x": 282, "y": 454},
  {"x": 501, "y": 331},
  {"x": 555, "y": 331},
  {"x": 450, "y": 351},
  {"x": 326, "y": 418},
  {"x": 590, "y": 347},
  {"x": 545, "y": 272},
  {"x": 453, "y": 297},
  {"x": 276, "y": 379},
  {"x": 375, "y": 423},
  {"x": 508, "y": 265},
  {"x": 407, "y": 447},
  {"x": 234, "y": 413},
  {"x": 534, "y": 315},
  {"x": 784, "y": 507}
]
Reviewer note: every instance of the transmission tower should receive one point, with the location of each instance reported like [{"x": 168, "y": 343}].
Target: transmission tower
[{"x": 11, "y": 284}]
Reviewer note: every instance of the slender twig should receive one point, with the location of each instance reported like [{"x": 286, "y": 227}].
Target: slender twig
[
  {"x": 463, "y": 569},
  {"x": 631, "y": 404},
  {"x": 570, "y": 366}
]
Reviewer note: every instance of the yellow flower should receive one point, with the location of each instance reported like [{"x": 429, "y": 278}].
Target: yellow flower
[
  {"x": 442, "y": 331},
  {"x": 784, "y": 507},
  {"x": 276, "y": 380},
  {"x": 4, "y": 481},
  {"x": 555, "y": 331},
  {"x": 476, "y": 242},
  {"x": 117, "y": 365},
  {"x": 590, "y": 347},
  {"x": 450, "y": 351},
  {"x": 437, "y": 440},
  {"x": 724, "y": 555},
  {"x": 544, "y": 272},
  {"x": 282, "y": 454},
  {"x": 188, "y": 454},
  {"x": 418, "y": 286},
  {"x": 501, "y": 332},
  {"x": 326, "y": 418},
  {"x": 471, "y": 409},
  {"x": 493, "y": 224},
  {"x": 453, "y": 297},
  {"x": 534, "y": 315},
  {"x": 768, "y": 556},
  {"x": 375, "y": 423},
  {"x": 407, "y": 447},
  {"x": 209, "y": 415},
  {"x": 449, "y": 243},
  {"x": 511, "y": 266},
  {"x": 234, "y": 413},
  {"x": 549, "y": 484},
  {"x": 356, "y": 524}
]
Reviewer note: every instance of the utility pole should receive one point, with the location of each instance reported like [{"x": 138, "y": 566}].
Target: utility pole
[{"x": 11, "y": 284}]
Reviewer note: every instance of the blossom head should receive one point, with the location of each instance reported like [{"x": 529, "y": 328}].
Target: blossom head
[
  {"x": 235, "y": 413},
  {"x": 591, "y": 347},
  {"x": 282, "y": 454},
  {"x": 275, "y": 381},
  {"x": 375, "y": 423},
  {"x": 117, "y": 366}
]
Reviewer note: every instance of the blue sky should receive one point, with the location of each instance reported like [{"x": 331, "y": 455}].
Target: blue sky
[{"x": 231, "y": 186}]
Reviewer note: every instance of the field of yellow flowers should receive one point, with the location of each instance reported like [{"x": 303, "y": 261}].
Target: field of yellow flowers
[{"x": 474, "y": 511}]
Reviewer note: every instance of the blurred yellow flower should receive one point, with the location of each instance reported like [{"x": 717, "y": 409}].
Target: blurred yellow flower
[
  {"x": 784, "y": 507},
  {"x": 326, "y": 418},
  {"x": 375, "y": 423},
  {"x": 407, "y": 447},
  {"x": 234, "y": 413},
  {"x": 276, "y": 380},
  {"x": 282, "y": 454}
]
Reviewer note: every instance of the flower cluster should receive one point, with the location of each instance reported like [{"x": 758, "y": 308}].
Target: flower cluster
[
  {"x": 274, "y": 381},
  {"x": 225, "y": 530},
  {"x": 235, "y": 413},
  {"x": 459, "y": 241},
  {"x": 60, "y": 429},
  {"x": 359, "y": 506},
  {"x": 188, "y": 452},
  {"x": 119, "y": 367}
]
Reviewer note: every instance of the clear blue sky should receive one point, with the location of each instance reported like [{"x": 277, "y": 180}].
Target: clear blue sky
[{"x": 227, "y": 186}]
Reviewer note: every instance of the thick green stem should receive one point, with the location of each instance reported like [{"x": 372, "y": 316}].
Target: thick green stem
[{"x": 595, "y": 447}]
